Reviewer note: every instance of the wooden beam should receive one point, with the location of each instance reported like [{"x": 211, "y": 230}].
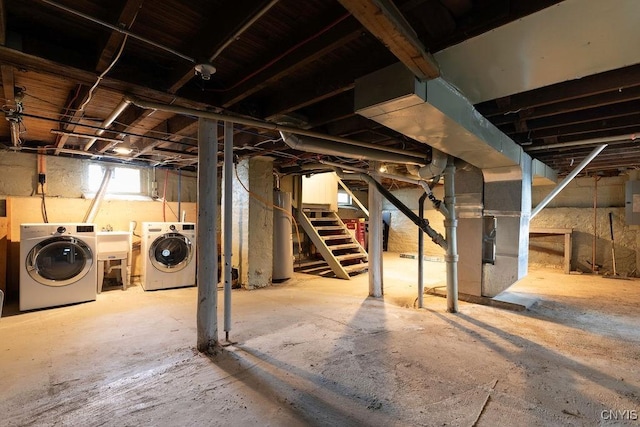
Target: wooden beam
[
  {"x": 620, "y": 79},
  {"x": 127, "y": 16},
  {"x": 74, "y": 101},
  {"x": 338, "y": 78},
  {"x": 45, "y": 66},
  {"x": 383, "y": 19}
]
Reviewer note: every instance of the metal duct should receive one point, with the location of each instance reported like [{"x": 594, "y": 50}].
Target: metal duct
[
  {"x": 332, "y": 148},
  {"x": 435, "y": 113}
]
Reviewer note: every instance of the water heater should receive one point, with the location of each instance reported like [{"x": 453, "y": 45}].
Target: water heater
[{"x": 282, "y": 237}]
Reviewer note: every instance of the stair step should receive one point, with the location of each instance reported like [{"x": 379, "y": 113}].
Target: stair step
[
  {"x": 356, "y": 267},
  {"x": 336, "y": 237},
  {"x": 351, "y": 256},
  {"x": 324, "y": 219},
  {"x": 344, "y": 246},
  {"x": 316, "y": 270},
  {"x": 329, "y": 228},
  {"x": 312, "y": 263}
]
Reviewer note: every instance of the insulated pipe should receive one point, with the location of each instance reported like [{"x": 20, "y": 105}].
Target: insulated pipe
[
  {"x": 451, "y": 224},
  {"x": 364, "y": 171},
  {"x": 108, "y": 122},
  {"x": 364, "y": 151},
  {"x": 567, "y": 180},
  {"x": 228, "y": 223},
  {"x": 410, "y": 157},
  {"x": 421, "y": 252},
  {"x": 97, "y": 200}
]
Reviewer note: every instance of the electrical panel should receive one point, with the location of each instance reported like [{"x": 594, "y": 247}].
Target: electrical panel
[{"x": 632, "y": 202}]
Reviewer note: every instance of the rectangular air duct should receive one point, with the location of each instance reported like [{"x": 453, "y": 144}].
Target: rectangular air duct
[{"x": 435, "y": 113}]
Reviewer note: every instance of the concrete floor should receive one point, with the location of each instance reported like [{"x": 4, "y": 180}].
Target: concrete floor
[{"x": 315, "y": 351}]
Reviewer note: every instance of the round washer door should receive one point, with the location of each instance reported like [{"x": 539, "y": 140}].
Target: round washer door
[
  {"x": 171, "y": 252},
  {"x": 59, "y": 261}
]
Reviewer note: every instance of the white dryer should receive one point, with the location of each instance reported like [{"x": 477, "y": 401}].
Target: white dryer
[
  {"x": 59, "y": 264},
  {"x": 168, "y": 255}
]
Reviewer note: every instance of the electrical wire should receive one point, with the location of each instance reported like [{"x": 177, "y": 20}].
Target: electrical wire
[
  {"x": 269, "y": 204},
  {"x": 104, "y": 73},
  {"x": 43, "y": 206},
  {"x": 164, "y": 196}
]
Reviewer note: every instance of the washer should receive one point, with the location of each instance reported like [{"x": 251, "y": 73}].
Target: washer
[
  {"x": 168, "y": 255},
  {"x": 59, "y": 264}
]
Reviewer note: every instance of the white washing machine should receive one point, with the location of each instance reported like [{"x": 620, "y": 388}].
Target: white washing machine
[
  {"x": 59, "y": 264},
  {"x": 168, "y": 255}
]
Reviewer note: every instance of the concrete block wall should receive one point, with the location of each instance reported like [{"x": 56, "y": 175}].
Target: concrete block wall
[
  {"x": 67, "y": 177},
  {"x": 403, "y": 234},
  {"x": 572, "y": 208}
]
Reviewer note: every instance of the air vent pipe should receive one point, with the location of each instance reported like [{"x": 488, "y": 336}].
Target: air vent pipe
[{"x": 97, "y": 199}]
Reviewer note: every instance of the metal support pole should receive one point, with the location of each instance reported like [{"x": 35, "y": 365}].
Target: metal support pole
[
  {"x": 421, "y": 252},
  {"x": 207, "y": 314},
  {"x": 567, "y": 180},
  {"x": 228, "y": 223},
  {"x": 376, "y": 288},
  {"x": 451, "y": 224}
]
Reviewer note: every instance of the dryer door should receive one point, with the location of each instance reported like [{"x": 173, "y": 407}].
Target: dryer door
[
  {"x": 59, "y": 261},
  {"x": 171, "y": 252}
]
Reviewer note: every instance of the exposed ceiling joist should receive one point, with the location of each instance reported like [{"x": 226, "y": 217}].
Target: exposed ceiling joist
[
  {"x": 342, "y": 33},
  {"x": 383, "y": 19},
  {"x": 126, "y": 19},
  {"x": 220, "y": 31}
]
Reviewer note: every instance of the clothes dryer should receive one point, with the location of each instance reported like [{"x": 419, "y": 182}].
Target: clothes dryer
[
  {"x": 58, "y": 264},
  {"x": 168, "y": 255}
]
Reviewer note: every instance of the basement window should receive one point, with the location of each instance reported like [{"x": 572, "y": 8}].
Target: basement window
[
  {"x": 344, "y": 199},
  {"x": 125, "y": 183}
]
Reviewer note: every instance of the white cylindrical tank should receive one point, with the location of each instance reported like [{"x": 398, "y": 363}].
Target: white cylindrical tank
[{"x": 282, "y": 237}]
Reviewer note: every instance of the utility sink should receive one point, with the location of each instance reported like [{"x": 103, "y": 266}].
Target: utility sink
[{"x": 113, "y": 245}]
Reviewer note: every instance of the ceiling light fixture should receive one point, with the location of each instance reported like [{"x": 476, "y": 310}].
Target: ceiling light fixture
[
  {"x": 204, "y": 70},
  {"x": 124, "y": 148}
]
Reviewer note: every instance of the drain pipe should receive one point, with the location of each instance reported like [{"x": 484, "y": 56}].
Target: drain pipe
[
  {"x": 108, "y": 122},
  {"x": 451, "y": 224},
  {"x": 437, "y": 204},
  {"x": 567, "y": 180},
  {"x": 423, "y": 224},
  {"x": 421, "y": 252},
  {"x": 433, "y": 169},
  {"x": 97, "y": 200}
]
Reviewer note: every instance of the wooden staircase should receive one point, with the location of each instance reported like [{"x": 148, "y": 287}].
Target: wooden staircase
[{"x": 343, "y": 255}]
